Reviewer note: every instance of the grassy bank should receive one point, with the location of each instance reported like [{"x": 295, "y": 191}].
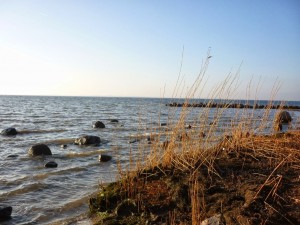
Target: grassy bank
[
  {"x": 198, "y": 168},
  {"x": 243, "y": 180}
]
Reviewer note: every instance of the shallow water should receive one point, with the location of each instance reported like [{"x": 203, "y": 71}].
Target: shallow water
[{"x": 42, "y": 195}]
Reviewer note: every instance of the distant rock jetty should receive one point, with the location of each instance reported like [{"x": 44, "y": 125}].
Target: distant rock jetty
[{"x": 234, "y": 105}]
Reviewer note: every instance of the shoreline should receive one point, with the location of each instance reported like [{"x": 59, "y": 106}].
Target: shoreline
[{"x": 236, "y": 184}]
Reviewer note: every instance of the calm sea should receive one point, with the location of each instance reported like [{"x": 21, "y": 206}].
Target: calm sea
[{"x": 42, "y": 195}]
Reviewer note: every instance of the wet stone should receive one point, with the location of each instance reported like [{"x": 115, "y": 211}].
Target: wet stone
[
  {"x": 5, "y": 212},
  {"x": 99, "y": 124},
  {"x": 104, "y": 158},
  {"x": 39, "y": 149},
  {"x": 9, "y": 131},
  {"x": 87, "y": 140},
  {"x": 51, "y": 164},
  {"x": 12, "y": 156},
  {"x": 133, "y": 141}
]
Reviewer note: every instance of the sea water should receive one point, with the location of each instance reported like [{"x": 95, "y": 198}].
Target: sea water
[{"x": 42, "y": 195}]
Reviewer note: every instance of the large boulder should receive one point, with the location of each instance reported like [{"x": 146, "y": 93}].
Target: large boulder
[
  {"x": 283, "y": 117},
  {"x": 87, "y": 140},
  {"x": 99, "y": 124},
  {"x": 5, "y": 212},
  {"x": 9, "y": 131},
  {"x": 39, "y": 149}
]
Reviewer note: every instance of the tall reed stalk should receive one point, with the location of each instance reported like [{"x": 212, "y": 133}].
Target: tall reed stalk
[{"x": 192, "y": 141}]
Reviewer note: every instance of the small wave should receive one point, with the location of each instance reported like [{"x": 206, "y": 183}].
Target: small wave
[
  {"x": 72, "y": 219},
  {"x": 148, "y": 135},
  {"x": 59, "y": 172},
  {"x": 18, "y": 181},
  {"x": 60, "y": 141},
  {"x": 66, "y": 212},
  {"x": 42, "y": 176},
  {"x": 77, "y": 202},
  {"x": 41, "y": 131},
  {"x": 23, "y": 189},
  {"x": 85, "y": 154}
]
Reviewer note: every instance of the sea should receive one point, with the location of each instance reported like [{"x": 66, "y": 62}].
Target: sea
[{"x": 41, "y": 195}]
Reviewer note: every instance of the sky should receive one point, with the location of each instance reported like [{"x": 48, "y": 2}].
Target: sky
[{"x": 139, "y": 48}]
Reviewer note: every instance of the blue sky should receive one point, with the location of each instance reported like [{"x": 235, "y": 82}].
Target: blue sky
[{"x": 134, "y": 48}]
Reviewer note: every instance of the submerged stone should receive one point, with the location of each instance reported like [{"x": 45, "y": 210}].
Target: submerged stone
[
  {"x": 12, "y": 156},
  {"x": 133, "y": 141}
]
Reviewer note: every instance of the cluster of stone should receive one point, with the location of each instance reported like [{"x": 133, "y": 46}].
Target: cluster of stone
[{"x": 234, "y": 105}]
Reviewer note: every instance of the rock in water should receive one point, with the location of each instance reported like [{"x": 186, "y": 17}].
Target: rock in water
[
  {"x": 104, "y": 158},
  {"x": 87, "y": 140},
  {"x": 283, "y": 117},
  {"x": 99, "y": 124},
  {"x": 51, "y": 164},
  {"x": 114, "y": 121},
  {"x": 13, "y": 156},
  {"x": 9, "y": 131},
  {"x": 39, "y": 149},
  {"x": 5, "y": 212}
]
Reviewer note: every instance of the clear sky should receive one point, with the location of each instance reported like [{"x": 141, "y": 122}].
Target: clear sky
[{"x": 134, "y": 47}]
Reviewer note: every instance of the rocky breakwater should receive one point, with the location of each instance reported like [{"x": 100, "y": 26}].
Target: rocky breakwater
[{"x": 234, "y": 105}]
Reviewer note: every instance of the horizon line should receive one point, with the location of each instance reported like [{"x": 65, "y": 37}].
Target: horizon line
[{"x": 98, "y": 96}]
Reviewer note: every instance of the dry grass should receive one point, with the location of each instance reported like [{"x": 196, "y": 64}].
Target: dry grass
[{"x": 202, "y": 160}]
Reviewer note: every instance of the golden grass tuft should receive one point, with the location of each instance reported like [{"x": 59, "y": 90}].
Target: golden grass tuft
[{"x": 201, "y": 165}]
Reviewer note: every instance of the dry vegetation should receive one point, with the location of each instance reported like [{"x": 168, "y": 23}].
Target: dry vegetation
[{"x": 200, "y": 170}]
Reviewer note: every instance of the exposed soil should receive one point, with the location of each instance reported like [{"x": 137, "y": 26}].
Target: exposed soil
[{"x": 244, "y": 186}]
